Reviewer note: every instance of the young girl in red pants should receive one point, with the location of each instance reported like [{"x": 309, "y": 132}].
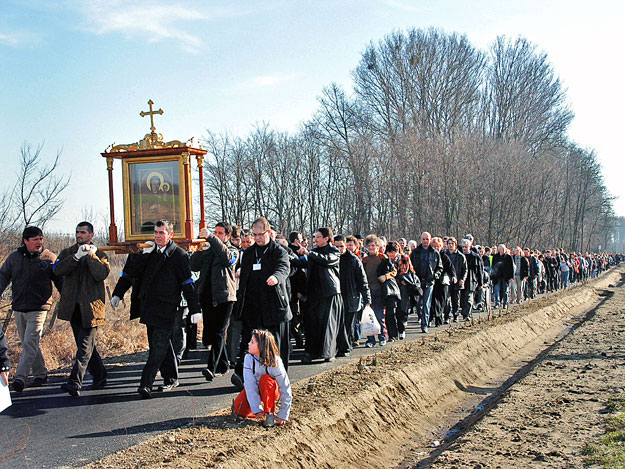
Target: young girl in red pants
[{"x": 265, "y": 381}]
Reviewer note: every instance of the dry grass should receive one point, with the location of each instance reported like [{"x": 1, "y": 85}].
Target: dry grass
[{"x": 118, "y": 336}]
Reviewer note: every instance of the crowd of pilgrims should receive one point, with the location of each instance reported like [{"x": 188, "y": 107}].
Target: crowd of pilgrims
[
  {"x": 310, "y": 294},
  {"x": 258, "y": 295}
]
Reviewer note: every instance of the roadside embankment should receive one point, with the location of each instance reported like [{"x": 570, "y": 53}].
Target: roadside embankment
[{"x": 368, "y": 410}]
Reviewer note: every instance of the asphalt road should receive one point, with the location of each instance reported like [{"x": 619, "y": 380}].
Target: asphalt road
[{"x": 46, "y": 427}]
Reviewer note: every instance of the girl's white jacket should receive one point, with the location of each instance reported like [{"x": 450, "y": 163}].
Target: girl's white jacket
[{"x": 253, "y": 370}]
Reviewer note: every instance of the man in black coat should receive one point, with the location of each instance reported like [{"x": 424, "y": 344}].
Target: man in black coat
[
  {"x": 164, "y": 272},
  {"x": 457, "y": 283},
  {"x": 298, "y": 290},
  {"x": 428, "y": 267},
  {"x": 503, "y": 272},
  {"x": 262, "y": 299},
  {"x": 324, "y": 315},
  {"x": 474, "y": 279},
  {"x": 552, "y": 267},
  {"x": 217, "y": 290},
  {"x": 354, "y": 288}
]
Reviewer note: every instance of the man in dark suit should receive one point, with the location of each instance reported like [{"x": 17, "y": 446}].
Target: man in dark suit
[{"x": 164, "y": 272}]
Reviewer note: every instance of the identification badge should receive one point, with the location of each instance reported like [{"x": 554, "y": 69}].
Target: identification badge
[{"x": 256, "y": 267}]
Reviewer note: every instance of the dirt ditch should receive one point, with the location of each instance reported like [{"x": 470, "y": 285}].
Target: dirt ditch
[{"x": 385, "y": 410}]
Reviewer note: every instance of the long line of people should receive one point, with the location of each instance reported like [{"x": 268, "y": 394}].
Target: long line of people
[
  {"x": 440, "y": 280},
  {"x": 306, "y": 297}
]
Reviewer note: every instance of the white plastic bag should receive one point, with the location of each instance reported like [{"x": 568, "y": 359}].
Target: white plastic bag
[{"x": 369, "y": 325}]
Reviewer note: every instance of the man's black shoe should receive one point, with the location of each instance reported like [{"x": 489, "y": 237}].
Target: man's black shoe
[
  {"x": 208, "y": 374},
  {"x": 169, "y": 386},
  {"x": 70, "y": 389},
  {"x": 100, "y": 384},
  {"x": 237, "y": 381},
  {"x": 144, "y": 392},
  {"x": 17, "y": 385},
  {"x": 38, "y": 382}
]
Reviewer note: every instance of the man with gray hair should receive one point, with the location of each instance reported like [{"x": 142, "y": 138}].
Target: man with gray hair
[
  {"x": 474, "y": 279},
  {"x": 428, "y": 267}
]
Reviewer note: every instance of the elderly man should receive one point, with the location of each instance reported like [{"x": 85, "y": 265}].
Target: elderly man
[
  {"x": 29, "y": 270},
  {"x": 473, "y": 281},
  {"x": 83, "y": 269},
  {"x": 428, "y": 267}
]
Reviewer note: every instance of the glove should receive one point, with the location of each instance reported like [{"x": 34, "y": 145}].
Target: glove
[
  {"x": 83, "y": 250},
  {"x": 204, "y": 233},
  {"x": 206, "y": 247},
  {"x": 115, "y": 301},
  {"x": 149, "y": 249},
  {"x": 93, "y": 248},
  {"x": 195, "y": 318}
]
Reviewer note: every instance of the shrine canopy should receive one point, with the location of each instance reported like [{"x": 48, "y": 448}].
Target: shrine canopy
[{"x": 156, "y": 178}]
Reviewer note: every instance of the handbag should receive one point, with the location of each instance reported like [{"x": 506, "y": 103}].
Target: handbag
[{"x": 390, "y": 288}]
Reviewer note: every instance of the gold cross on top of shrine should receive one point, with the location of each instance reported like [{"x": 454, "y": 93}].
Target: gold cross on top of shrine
[{"x": 151, "y": 114}]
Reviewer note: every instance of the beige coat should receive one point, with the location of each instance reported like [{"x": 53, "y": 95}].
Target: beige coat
[{"x": 83, "y": 283}]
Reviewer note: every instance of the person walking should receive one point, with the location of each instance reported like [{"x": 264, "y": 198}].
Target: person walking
[
  {"x": 164, "y": 272},
  {"x": 217, "y": 293},
  {"x": 324, "y": 321},
  {"x": 262, "y": 298},
  {"x": 29, "y": 271},
  {"x": 354, "y": 287},
  {"x": 83, "y": 269},
  {"x": 428, "y": 267}
]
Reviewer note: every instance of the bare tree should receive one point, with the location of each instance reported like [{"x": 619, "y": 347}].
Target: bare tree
[
  {"x": 38, "y": 191},
  {"x": 525, "y": 99}
]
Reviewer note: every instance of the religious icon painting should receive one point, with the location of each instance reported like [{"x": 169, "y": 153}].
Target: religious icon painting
[{"x": 152, "y": 192}]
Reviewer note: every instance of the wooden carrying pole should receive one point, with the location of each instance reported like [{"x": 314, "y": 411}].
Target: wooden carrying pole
[{"x": 146, "y": 245}]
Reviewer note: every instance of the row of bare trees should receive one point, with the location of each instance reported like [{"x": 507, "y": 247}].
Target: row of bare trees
[{"x": 437, "y": 135}]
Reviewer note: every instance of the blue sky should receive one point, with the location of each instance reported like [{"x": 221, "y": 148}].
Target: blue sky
[{"x": 75, "y": 74}]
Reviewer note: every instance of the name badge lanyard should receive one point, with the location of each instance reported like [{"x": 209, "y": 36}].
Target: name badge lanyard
[{"x": 259, "y": 258}]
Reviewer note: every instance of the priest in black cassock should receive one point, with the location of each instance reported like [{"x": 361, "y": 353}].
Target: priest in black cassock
[{"x": 323, "y": 318}]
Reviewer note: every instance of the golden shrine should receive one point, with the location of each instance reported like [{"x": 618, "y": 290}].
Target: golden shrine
[{"x": 156, "y": 177}]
